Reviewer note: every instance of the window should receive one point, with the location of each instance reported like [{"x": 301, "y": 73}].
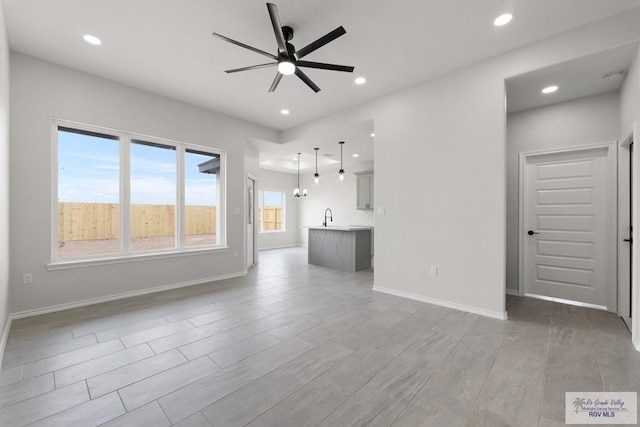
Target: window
[
  {"x": 153, "y": 196},
  {"x": 88, "y": 193},
  {"x": 271, "y": 211},
  {"x": 119, "y": 194}
]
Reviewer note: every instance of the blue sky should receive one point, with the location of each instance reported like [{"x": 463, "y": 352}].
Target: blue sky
[
  {"x": 88, "y": 171},
  {"x": 272, "y": 198}
]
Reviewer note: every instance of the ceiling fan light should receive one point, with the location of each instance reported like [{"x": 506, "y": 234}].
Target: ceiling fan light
[{"x": 286, "y": 68}]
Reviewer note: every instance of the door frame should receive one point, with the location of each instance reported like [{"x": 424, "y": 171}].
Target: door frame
[
  {"x": 254, "y": 178},
  {"x": 625, "y": 210},
  {"x": 612, "y": 212},
  {"x": 635, "y": 291}
]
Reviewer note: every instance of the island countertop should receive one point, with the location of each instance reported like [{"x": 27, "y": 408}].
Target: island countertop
[{"x": 340, "y": 227}]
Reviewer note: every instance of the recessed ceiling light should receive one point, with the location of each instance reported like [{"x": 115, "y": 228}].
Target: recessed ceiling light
[
  {"x": 549, "y": 89},
  {"x": 360, "y": 80},
  {"x": 372, "y": 134},
  {"x": 284, "y": 111},
  {"x": 356, "y": 155},
  {"x": 92, "y": 39},
  {"x": 503, "y": 20}
]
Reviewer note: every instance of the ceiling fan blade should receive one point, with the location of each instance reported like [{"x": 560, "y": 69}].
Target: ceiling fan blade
[
  {"x": 246, "y": 46},
  {"x": 327, "y": 38},
  {"x": 323, "y": 66},
  {"x": 275, "y": 83},
  {"x": 307, "y": 80},
  {"x": 277, "y": 28},
  {"x": 252, "y": 67}
]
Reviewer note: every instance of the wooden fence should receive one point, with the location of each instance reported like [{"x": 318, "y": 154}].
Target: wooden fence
[
  {"x": 98, "y": 221},
  {"x": 272, "y": 218}
]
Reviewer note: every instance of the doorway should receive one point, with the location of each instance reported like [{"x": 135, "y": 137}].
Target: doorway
[
  {"x": 567, "y": 226},
  {"x": 251, "y": 223}
]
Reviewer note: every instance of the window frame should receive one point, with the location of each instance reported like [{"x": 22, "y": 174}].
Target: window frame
[
  {"x": 261, "y": 207},
  {"x": 125, "y": 254}
]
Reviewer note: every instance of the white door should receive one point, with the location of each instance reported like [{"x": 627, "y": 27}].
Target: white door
[
  {"x": 567, "y": 220},
  {"x": 251, "y": 184}
]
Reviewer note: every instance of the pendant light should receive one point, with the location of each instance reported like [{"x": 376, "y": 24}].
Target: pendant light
[
  {"x": 341, "y": 171},
  {"x": 296, "y": 192},
  {"x": 316, "y": 176}
]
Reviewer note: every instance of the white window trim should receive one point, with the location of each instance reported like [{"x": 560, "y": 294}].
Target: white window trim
[
  {"x": 118, "y": 259},
  {"x": 284, "y": 210},
  {"x": 126, "y": 255}
]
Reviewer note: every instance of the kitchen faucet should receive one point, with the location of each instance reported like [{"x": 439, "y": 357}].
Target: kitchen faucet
[{"x": 325, "y": 216}]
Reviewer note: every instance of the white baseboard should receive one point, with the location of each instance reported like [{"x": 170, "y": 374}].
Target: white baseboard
[
  {"x": 513, "y": 292},
  {"x": 5, "y": 338},
  {"x": 92, "y": 301},
  {"x": 448, "y": 304}
]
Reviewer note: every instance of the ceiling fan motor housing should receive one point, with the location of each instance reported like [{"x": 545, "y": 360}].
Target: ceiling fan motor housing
[{"x": 287, "y": 32}]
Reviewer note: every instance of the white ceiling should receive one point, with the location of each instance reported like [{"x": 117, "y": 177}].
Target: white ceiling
[
  {"x": 575, "y": 79},
  {"x": 166, "y": 47},
  {"x": 357, "y": 140}
]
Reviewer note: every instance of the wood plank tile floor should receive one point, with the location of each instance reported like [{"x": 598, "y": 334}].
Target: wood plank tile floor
[{"x": 297, "y": 345}]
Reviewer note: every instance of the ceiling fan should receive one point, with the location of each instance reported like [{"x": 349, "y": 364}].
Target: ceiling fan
[{"x": 288, "y": 60}]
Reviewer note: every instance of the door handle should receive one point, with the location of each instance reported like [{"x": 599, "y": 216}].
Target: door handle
[
  {"x": 531, "y": 232},
  {"x": 630, "y": 240}
]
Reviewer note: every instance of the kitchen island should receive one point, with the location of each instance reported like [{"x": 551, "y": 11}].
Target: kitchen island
[{"x": 347, "y": 248}]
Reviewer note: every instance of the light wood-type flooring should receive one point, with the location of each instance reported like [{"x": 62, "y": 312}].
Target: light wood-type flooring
[{"x": 292, "y": 344}]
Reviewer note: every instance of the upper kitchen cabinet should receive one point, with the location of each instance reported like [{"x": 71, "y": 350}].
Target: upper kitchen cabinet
[{"x": 364, "y": 187}]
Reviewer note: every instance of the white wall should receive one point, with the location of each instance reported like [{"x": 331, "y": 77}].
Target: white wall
[
  {"x": 630, "y": 97},
  {"x": 440, "y": 157},
  {"x": 285, "y": 182},
  {"x": 630, "y": 119},
  {"x": 4, "y": 178},
  {"x": 583, "y": 121},
  {"x": 41, "y": 91},
  {"x": 339, "y": 197}
]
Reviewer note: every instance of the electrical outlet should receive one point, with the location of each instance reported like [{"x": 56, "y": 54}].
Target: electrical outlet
[
  {"x": 434, "y": 270},
  {"x": 27, "y": 278}
]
